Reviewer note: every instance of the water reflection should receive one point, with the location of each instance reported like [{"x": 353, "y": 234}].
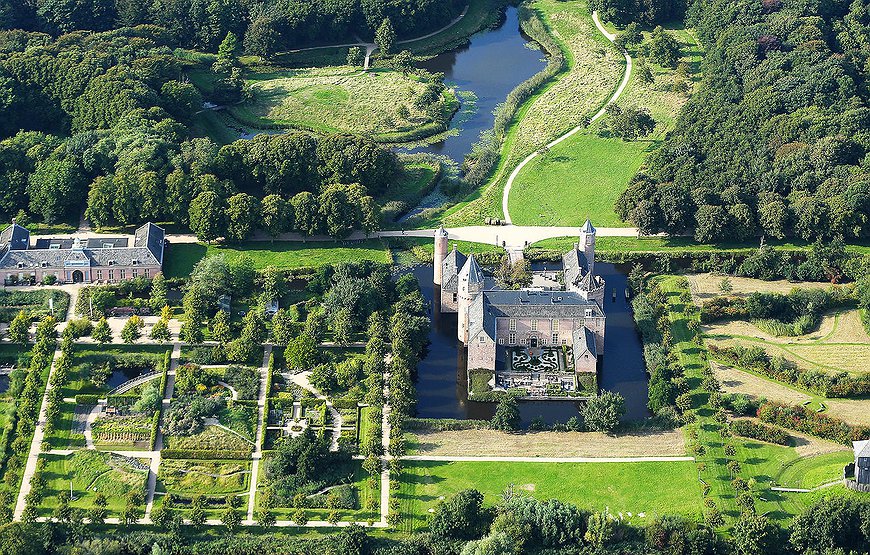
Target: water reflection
[{"x": 441, "y": 383}]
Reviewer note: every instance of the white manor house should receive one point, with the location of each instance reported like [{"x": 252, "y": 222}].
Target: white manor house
[{"x": 546, "y": 339}]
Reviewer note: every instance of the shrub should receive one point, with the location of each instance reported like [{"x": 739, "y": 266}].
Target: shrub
[
  {"x": 770, "y": 434},
  {"x": 806, "y": 420}
]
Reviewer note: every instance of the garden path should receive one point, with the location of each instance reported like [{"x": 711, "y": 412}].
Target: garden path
[
  {"x": 628, "y": 66},
  {"x": 39, "y": 432},
  {"x": 158, "y": 440},
  {"x": 257, "y": 453},
  {"x": 301, "y": 379}
]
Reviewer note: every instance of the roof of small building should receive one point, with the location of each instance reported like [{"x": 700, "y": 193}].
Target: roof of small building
[
  {"x": 441, "y": 232},
  {"x": 861, "y": 448},
  {"x": 453, "y": 262},
  {"x": 583, "y": 340},
  {"x": 15, "y": 238}
]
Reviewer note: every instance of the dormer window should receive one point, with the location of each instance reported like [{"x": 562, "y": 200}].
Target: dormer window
[
  {"x": 589, "y": 313},
  {"x": 54, "y": 247},
  {"x": 111, "y": 262}
]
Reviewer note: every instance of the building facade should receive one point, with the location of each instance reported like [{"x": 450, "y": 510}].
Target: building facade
[
  {"x": 543, "y": 340},
  {"x": 75, "y": 260}
]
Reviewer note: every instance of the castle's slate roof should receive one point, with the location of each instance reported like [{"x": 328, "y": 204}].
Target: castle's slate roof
[
  {"x": 544, "y": 304},
  {"x": 584, "y": 340},
  {"x": 862, "y": 449},
  {"x": 147, "y": 251},
  {"x": 587, "y": 227},
  {"x": 471, "y": 272},
  {"x": 575, "y": 265},
  {"x": 453, "y": 262},
  {"x": 441, "y": 232}
]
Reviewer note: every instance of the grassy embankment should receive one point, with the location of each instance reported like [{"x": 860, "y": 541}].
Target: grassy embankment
[
  {"x": 595, "y": 67},
  {"x": 594, "y": 486},
  {"x": 766, "y": 463},
  {"x": 686, "y": 244},
  {"x": 584, "y": 175}
]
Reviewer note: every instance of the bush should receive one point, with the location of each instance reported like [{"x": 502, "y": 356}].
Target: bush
[
  {"x": 770, "y": 434},
  {"x": 805, "y": 419}
]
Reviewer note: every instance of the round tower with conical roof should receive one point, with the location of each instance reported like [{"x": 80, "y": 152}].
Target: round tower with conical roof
[
  {"x": 440, "y": 254},
  {"x": 587, "y": 244},
  {"x": 470, "y": 286}
]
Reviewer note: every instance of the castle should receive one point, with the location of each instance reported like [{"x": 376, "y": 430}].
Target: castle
[{"x": 546, "y": 339}]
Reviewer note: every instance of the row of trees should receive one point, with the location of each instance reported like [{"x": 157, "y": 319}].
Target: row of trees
[
  {"x": 775, "y": 141},
  {"x": 647, "y": 12},
  {"x": 202, "y": 24}
]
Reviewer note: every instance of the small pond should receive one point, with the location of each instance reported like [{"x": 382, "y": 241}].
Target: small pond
[
  {"x": 441, "y": 382},
  {"x": 121, "y": 375}
]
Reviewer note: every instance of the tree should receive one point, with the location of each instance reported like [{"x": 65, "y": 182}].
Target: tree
[
  {"x": 460, "y": 517},
  {"x": 602, "y": 413},
  {"x": 228, "y": 48},
  {"x": 262, "y": 37},
  {"x": 300, "y": 517},
  {"x": 355, "y": 56},
  {"x": 266, "y": 518},
  {"x": 220, "y": 328},
  {"x": 231, "y": 518},
  {"x": 132, "y": 329},
  {"x": 242, "y": 216},
  {"x": 158, "y": 298},
  {"x": 306, "y": 217},
  {"x": 630, "y": 36},
  {"x": 19, "y": 328},
  {"x": 404, "y": 62},
  {"x": 662, "y": 48},
  {"x": 160, "y": 330},
  {"x": 755, "y": 535},
  {"x": 644, "y": 73},
  {"x": 630, "y": 123},
  {"x": 600, "y": 529},
  {"x": 275, "y": 214},
  {"x": 301, "y": 353},
  {"x": 385, "y": 37},
  {"x": 206, "y": 216},
  {"x": 507, "y": 414},
  {"x": 102, "y": 333}
]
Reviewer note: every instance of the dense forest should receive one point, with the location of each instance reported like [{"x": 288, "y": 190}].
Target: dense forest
[
  {"x": 202, "y": 24},
  {"x": 775, "y": 140},
  {"x": 647, "y": 12},
  {"x": 104, "y": 116}
]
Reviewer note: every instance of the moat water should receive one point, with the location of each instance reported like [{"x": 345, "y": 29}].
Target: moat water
[
  {"x": 493, "y": 63},
  {"x": 442, "y": 390}
]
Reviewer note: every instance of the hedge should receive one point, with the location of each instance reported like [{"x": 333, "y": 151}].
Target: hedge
[
  {"x": 202, "y": 454},
  {"x": 87, "y": 399},
  {"x": 155, "y": 426},
  {"x": 311, "y": 402},
  {"x": 167, "y": 362},
  {"x": 444, "y": 424},
  {"x": 270, "y": 371},
  {"x": 754, "y": 430},
  {"x": 807, "y": 420},
  {"x": 345, "y": 403},
  {"x": 122, "y": 400}
]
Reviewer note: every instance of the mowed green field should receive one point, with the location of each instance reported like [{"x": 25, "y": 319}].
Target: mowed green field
[
  {"x": 182, "y": 257},
  {"x": 647, "y": 488},
  {"x": 579, "y": 178}
]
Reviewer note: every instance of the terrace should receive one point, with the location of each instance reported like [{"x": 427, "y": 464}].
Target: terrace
[{"x": 539, "y": 370}]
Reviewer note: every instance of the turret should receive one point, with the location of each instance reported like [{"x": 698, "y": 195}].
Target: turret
[
  {"x": 470, "y": 286},
  {"x": 440, "y": 254},
  {"x": 587, "y": 245}
]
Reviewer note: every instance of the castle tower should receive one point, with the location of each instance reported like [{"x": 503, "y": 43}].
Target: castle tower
[
  {"x": 440, "y": 254},
  {"x": 470, "y": 286},
  {"x": 587, "y": 244}
]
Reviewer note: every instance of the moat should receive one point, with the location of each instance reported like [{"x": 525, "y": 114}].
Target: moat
[{"x": 442, "y": 384}]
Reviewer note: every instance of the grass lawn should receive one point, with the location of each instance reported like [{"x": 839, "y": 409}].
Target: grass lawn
[
  {"x": 665, "y": 244},
  {"x": 579, "y": 178},
  {"x": 288, "y": 255},
  {"x": 620, "y": 487},
  {"x": 340, "y": 99},
  {"x": 92, "y": 472},
  {"x": 585, "y": 174},
  {"x": 63, "y": 436},
  {"x": 211, "y": 438},
  {"x": 187, "y": 477}
]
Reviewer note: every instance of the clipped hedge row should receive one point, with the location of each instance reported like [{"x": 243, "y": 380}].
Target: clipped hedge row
[
  {"x": 203, "y": 454},
  {"x": 754, "y": 430},
  {"x": 345, "y": 403},
  {"x": 87, "y": 399},
  {"x": 155, "y": 426},
  {"x": 806, "y": 420}
]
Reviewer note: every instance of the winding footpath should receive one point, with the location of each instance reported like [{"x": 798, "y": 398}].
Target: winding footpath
[{"x": 625, "y": 78}]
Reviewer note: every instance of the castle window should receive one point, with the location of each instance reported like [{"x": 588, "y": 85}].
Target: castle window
[
  {"x": 99, "y": 275},
  {"x": 123, "y": 274},
  {"x": 454, "y": 297},
  {"x": 482, "y": 339},
  {"x": 534, "y": 325},
  {"x": 564, "y": 342},
  {"x": 554, "y": 324},
  {"x": 523, "y": 341},
  {"x": 512, "y": 325},
  {"x": 135, "y": 273},
  {"x": 512, "y": 339},
  {"x": 111, "y": 275},
  {"x": 589, "y": 313},
  {"x": 501, "y": 340},
  {"x": 555, "y": 339},
  {"x": 147, "y": 271}
]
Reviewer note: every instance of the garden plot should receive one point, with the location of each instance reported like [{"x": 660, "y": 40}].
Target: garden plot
[
  {"x": 184, "y": 479},
  {"x": 99, "y": 369},
  {"x": 35, "y": 303},
  {"x": 89, "y": 473},
  {"x": 69, "y": 429},
  {"x": 232, "y": 382}
]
